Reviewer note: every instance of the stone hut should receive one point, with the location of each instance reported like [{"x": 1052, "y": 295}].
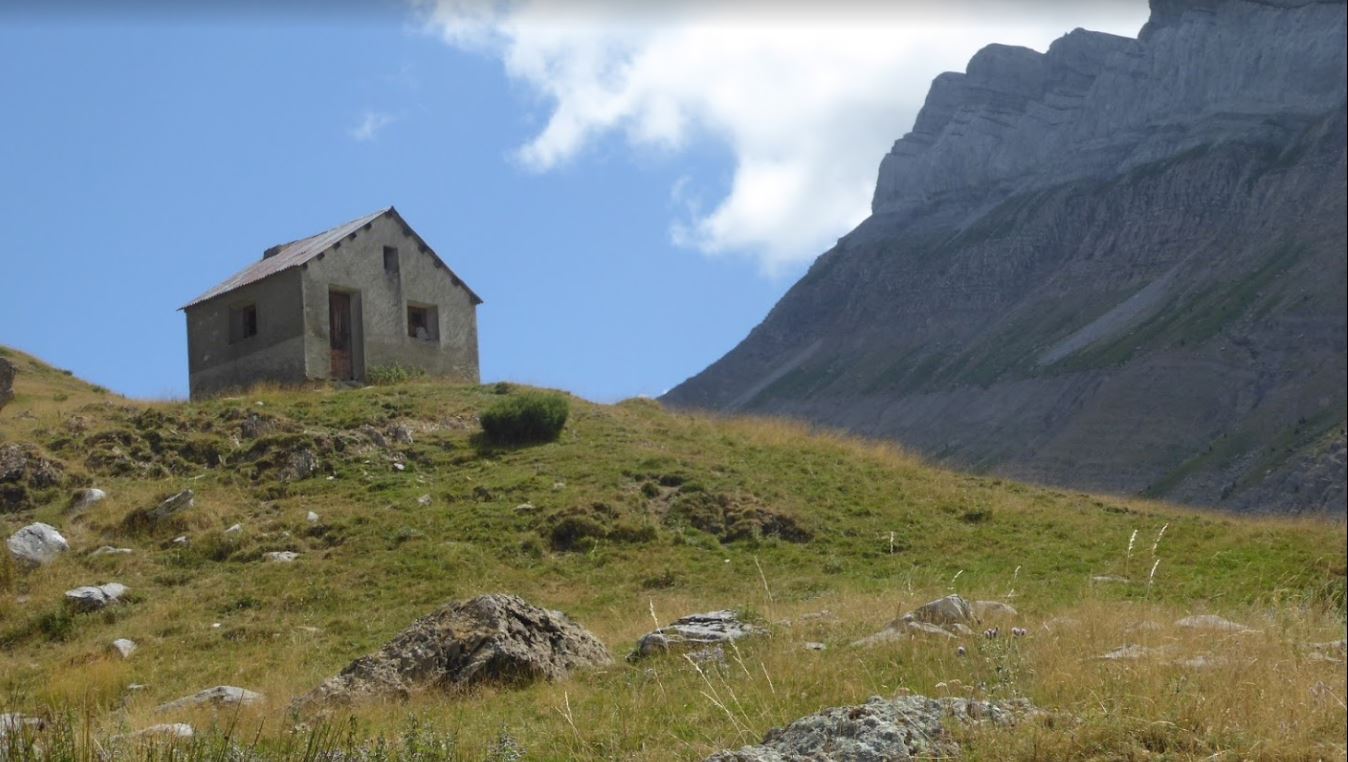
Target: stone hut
[{"x": 367, "y": 294}]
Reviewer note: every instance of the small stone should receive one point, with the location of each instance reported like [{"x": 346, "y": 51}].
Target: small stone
[
  {"x": 399, "y": 467},
  {"x": 993, "y": 610},
  {"x": 124, "y": 646},
  {"x": 220, "y": 695},
  {"x": 813, "y": 646},
  {"x": 280, "y": 556},
  {"x": 693, "y": 632},
  {"x": 1128, "y": 653},
  {"x": 1108, "y": 579},
  {"x": 108, "y": 550},
  {"x": 174, "y": 505},
  {"x": 236, "y": 529},
  {"x": 1212, "y": 623},
  {"x": 82, "y": 499},
  {"x": 168, "y": 729},
  {"x": 180, "y": 540},
  {"x": 424, "y": 500},
  {"x": 524, "y": 509},
  {"x": 13, "y": 722},
  {"x": 36, "y": 545},
  {"x": 311, "y": 517}
]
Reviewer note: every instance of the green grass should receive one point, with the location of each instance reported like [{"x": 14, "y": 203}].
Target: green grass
[{"x": 632, "y": 510}]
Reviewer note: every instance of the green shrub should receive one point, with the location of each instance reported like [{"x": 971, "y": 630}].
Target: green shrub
[{"x": 526, "y": 418}]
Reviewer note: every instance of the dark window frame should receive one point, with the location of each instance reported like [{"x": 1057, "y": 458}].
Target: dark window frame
[
  {"x": 427, "y": 317},
  {"x": 243, "y": 322},
  {"x": 391, "y": 263}
]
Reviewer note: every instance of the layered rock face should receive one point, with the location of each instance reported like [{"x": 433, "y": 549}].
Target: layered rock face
[{"x": 1118, "y": 265}]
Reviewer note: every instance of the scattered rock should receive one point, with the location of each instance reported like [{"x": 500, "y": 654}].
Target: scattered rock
[
  {"x": 1211, "y": 622},
  {"x": 36, "y": 545},
  {"x": 693, "y": 632},
  {"x": 16, "y": 723},
  {"x": 1130, "y": 653},
  {"x": 220, "y": 695},
  {"x": 95, "y": 597},
  {"x": 108, "y": 550},
  {"x": 986, "y": 610},
  {"x": 524, "y": 509},
  {"x": 399, "y": 466},
  {"x": 83, "y": 499},
  {"x": 487, "y": 639},
  {"x": 235, "y": 529},
  {"x": 1105, "y": 579},
  {"x": 1200, "y": 662},
  {"x": 946, "y": 617},
  {"x": 812, "y": 646},
  {"x": 709, "y": 656},
  {"x": 1333, "y": 650},
  {"x": 24, "y": 470},
  {"x": 424, "y": 500},
  {"x": 166, "y": 730},
  {"x": 181, "y": 540},
  {"x": 903, "y": 728},
  {"x": 173, "y": 505},
  {"x": 375, "y": 436},
  {"x": 311, "y": 517},
  {"x": 300, "y": 464},
  {"x": 402, "y": 434},
  {"x": 280, "y": 556},
  {"x": 124, "y": 646}
]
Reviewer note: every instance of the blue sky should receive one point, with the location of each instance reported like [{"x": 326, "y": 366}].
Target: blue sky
[{"x": 625, "y": 229}]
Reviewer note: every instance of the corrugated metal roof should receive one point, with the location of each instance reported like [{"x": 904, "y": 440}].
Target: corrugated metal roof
[{"x": 287, "y": 255}]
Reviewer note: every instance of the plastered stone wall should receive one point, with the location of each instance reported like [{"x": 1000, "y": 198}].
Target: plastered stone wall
[{"x": 275, "y": 353}]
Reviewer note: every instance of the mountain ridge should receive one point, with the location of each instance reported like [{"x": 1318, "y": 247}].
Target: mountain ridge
[{"x": 1161, "y": 312}]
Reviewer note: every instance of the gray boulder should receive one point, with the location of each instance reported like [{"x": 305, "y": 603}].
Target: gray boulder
[
  {"x": 881, "y": 730},
  {"x": 219, "y": 696},
  {"x": 95, "y": 597},
  {"x": 166, "y": 730},
  {"x": 173, "y": 505},
  {"x": 36, "y": 544},
  {"x": 694, "y": 632},
  {"x": 124, "y": 647},
  {"x": 944, "y": 618},
  {"x": 497, "y": 638},
  {"x": 988, "y": 610},
  {"x": 280, "y": 556}
]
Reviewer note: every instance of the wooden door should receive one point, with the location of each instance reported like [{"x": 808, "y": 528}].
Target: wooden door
[{"x": 339, "y": 334}]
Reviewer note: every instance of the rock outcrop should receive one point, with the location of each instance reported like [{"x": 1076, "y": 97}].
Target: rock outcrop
[
  {"x": 95, "y": 597},
  {"x": 487, "y": 639},
  {"x": 1116, "y": 265},
  {"x": 693, "y": 632},
  {"x": 219, "y": 696},
  {"x": 904, "y": 728}
]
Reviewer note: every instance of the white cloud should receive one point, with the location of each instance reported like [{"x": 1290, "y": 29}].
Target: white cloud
[
  {"x": 808, "y": 102},
  {"x": 371, "y": 123}
]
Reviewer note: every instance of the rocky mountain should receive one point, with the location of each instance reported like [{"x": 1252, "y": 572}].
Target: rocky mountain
[{"x": 1117, "y": 265}]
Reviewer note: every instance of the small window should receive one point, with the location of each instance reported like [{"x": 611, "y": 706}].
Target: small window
[
  {"x": 242, "y": 322},
  {"x": 390, "y": 260},
  {"x": 423, "y": 323}
]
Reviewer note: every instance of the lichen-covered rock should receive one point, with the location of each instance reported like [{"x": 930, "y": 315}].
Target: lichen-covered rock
[
  {"x": 988, "y": 610},
  {"x": 219, "y": 696},
  {"x": 36, "y": 545},
  {"x": 881, "y": 730},
  {"x": 124, "y": 647},
  {"x": 694, "y": 632},
  {"x": 488, "y": 639}
]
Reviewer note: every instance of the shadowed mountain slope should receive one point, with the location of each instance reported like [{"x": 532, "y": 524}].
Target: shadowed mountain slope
[{"x": 1118, "y": 265}]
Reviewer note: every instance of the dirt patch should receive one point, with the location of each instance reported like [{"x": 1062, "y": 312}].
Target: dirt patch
[{"x": 731, "y": 517}]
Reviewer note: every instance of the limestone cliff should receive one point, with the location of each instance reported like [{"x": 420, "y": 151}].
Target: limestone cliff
[{"x": 1116, "y": 265}]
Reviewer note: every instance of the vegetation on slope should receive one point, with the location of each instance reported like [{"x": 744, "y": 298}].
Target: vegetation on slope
[{"x": 633, "y": 514}]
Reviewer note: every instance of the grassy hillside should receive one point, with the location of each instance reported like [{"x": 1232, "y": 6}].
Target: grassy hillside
[{"x": 635, "y": 513}]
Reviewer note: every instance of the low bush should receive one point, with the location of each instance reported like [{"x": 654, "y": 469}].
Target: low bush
[{"x": 525, "y": 418}]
